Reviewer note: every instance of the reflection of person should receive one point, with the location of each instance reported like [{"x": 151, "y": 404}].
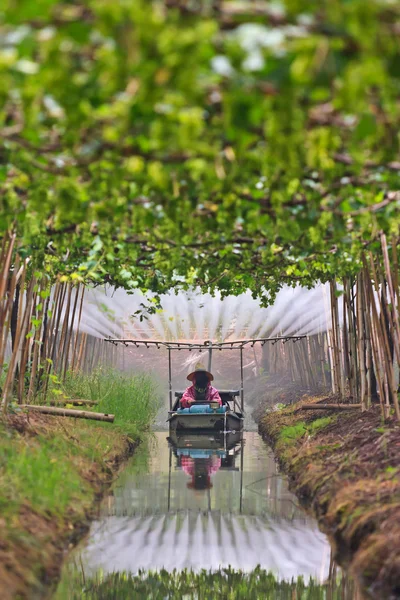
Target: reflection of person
[
  {"x": 200, "y": 470},
  {"x": 201, "y": 388}
]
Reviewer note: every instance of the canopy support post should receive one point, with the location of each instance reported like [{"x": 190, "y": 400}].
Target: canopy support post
[
  {"x": 241, "y": 476},
  {"x": 241, "y": 380},
  {"x": 169, "y": 478},
  {"x": 170, "y": 378},
  {"x": 209, "y": 357}
]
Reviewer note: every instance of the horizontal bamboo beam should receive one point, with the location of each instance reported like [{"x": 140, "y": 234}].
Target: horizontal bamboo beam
[
  {"x": 69, "y": 412},
  {"x": 330, "y": 407},
  {"x": 74, "y": 401}
]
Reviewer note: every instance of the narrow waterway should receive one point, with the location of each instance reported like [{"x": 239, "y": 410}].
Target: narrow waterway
[{"x": 203, "y": 502}]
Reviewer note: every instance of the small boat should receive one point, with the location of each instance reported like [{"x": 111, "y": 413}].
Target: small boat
[{"x": 207, "y": 416}]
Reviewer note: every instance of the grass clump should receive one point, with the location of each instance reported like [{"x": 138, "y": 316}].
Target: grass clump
[
  {"x": 134, "y": 400},
  {"x": 319, "y": 424},
  {"x": 291, "y": 433}
]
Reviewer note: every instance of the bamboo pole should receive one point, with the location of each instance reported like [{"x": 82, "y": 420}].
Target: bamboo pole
[
  {"x": 392, "y": 309},
  {"x": 3, "y": 302},
  {"x": 361, "y": 340},
  {"x": 321, "y": 343},
  {"x": 353, "y": 320},
  {"x": 389, "y": 379},
  {"x": 368, "y": 359},
  {"x": 339, "y": 344},
  {"x": 21, "y": 382},
  {"x": 335, "y": 338},
  {"x": 306, "y": 365},
  {"x": 36, "y": 342},
  {"x": 383, "y": 348},
  {"x": 6, "y": 265},
  {"x": 82, "y": 349},
  {"x": 52, "y": 318},
  {"x": 312, "y": 363},
  {"x": 21, "y": 333},
  {"x": 6, "y": 313},
  {"x": 375, "y": 354},
  {"x": 346, "y": 344},
  {"x": 328, "y": 317},
  {"x": 69, "y": 334},
  {"x": 74, "y": 352},
  {"x": 352, "y": 348},
  {"x": 46, "y": 332},
  {"x": 396, "y": 284},
  {"x": 56, "y": 323},
  {"x": 25, "y": 348},
  {"x": 64, "y": 329},
  {"x": 69, "y": 412}
]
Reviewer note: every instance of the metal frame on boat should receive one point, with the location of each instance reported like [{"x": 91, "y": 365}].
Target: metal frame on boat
[{"x": 230, "y": 419}]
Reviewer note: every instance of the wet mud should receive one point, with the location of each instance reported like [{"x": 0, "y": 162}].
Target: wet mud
[{"x": 346, "y": 468}]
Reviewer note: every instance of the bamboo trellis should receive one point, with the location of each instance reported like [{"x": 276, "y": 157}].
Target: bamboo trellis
[{"x": 358, "y": 356}]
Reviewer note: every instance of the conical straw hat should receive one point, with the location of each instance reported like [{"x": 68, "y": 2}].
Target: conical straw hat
[{"x": 199, "y": 368}]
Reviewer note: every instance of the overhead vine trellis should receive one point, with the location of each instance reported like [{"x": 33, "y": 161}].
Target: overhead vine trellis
[{"x": 155, "y": 144}]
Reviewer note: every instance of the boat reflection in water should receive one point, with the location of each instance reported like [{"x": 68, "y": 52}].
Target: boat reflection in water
[
  {"x": 205, "y": 502},
  {"x": 200, "y": 455}
]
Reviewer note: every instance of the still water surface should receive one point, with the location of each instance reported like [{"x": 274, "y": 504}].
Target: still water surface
[{"x": 205, "y": 503}]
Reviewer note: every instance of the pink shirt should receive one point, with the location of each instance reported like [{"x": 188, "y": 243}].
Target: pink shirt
[
  {"x": 190, "y": 394},
  {"x": 188, "y": 464}
]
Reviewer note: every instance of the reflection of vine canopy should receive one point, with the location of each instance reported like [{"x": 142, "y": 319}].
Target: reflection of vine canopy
[{"x": 140, "y": 144}]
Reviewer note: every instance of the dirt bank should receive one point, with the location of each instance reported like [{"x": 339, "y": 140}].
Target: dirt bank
[
  {"x": 38, "y": 522},
  {"x": 346, "y": 467}
]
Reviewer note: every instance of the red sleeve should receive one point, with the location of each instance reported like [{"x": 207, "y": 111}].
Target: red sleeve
[
  {"x": 187, "y": 395},
  {"x": 214, "y": 395}
]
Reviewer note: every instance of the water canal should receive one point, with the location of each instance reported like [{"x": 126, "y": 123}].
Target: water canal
[{"x": 195, "y": 502}]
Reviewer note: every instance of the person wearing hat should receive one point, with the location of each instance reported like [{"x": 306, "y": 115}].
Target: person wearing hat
[
  {"x": 201, "y": 388},
  {"x": 200, "y": 471}
]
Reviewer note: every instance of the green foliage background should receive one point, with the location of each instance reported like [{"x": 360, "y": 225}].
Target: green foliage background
[{"x": 151, "y": 147}]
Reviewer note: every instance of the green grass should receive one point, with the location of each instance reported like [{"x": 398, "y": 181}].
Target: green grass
[
  {"x": 321, "y": 423},
  {"x": 49, "y": 479},
  {"x": 134, "y": 400},
  {"x": 294, "y": 432},
  {"x": 51, "y": 473},
  {"x": 41, "y": 474},
  {"x": 224, "y": 585},
  {"x": 44, "y": 471}
]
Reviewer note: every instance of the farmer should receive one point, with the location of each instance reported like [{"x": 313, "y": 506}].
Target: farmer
[{"x": 201, "y": 388}]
